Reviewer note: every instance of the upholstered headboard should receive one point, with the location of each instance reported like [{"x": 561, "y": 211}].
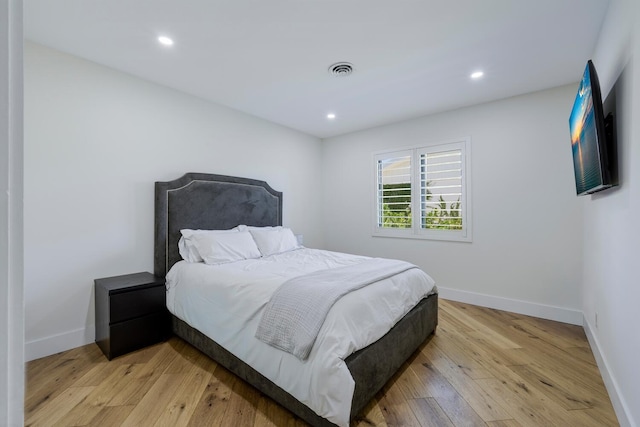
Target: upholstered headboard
[{"x": 208, "y": 202}]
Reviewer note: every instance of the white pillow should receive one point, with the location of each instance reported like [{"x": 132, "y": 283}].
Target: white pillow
[
  {"x": 219, "y": 248},
  {"x": 186, "y": 246},
  {"x": 272, "y": 241}
]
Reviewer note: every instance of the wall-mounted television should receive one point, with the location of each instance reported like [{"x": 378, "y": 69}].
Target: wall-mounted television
[{"x": 591, "y": 136}]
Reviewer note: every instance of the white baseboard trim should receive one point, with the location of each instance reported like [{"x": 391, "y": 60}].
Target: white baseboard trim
[
  {"x": 559, "y": 314},
  {"x": 66, "y": 341},
  {"x": 61, "y": 342},
  {"x": 619, "y": 405}
]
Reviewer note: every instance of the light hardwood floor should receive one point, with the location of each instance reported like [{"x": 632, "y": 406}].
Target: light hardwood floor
[{"x": 483, "y": 367}]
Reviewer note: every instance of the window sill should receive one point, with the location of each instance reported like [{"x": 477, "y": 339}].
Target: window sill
[{"x": 409, "y": 234}]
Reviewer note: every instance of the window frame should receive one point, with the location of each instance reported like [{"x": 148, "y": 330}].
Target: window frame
[{"x": 416, "y": 231}]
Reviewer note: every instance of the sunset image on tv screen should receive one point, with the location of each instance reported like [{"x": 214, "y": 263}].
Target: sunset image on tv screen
[{"x": 584, "y": 139}]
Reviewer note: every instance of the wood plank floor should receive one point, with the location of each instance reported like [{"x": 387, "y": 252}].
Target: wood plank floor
[{"x": 483, "y": 367}]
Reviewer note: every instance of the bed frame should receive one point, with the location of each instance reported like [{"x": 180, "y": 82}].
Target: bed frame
[{"x": 206, "y": 201}]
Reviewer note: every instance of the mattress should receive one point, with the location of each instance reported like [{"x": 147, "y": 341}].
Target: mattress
[{"x": 225, "y": 302}]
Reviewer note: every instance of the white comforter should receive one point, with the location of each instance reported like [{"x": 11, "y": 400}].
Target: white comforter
[{"x": 225, "y": 302}]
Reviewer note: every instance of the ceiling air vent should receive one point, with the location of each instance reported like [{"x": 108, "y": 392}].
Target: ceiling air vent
[{"x": 341, "y": 69}]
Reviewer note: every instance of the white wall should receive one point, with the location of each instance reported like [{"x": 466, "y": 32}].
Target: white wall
[
  {"x": 527, "y": 222},
  {"x": 95, "y": 142},
  {"x": 11, "y": 283},
  {"x": 96, "y": 139},
  {"x": 612, "y": 222}
]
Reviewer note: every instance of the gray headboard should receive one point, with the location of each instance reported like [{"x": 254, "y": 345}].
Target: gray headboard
[{"x": 208, "y": 202}]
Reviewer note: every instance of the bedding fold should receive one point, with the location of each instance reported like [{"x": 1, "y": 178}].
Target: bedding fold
[{"x": 297, "y": 310}]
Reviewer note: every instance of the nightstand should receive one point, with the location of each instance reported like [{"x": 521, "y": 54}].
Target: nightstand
[{"x": 131, "y": 313}]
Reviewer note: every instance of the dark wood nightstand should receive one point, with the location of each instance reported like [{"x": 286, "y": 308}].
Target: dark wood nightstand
[{"x": 131, "y": 313}]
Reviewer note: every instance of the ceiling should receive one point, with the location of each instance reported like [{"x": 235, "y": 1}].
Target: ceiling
[{"x": 270, "y": 58}]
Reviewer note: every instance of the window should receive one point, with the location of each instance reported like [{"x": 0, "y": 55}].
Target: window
[{"x": 424, "y": 192}]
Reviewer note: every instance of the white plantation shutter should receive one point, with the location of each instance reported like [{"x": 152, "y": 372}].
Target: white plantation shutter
[
  {"x": 424, "y": 192},
  {"x": 394, "y": 177},
  {"x": 441, "y": 198}
]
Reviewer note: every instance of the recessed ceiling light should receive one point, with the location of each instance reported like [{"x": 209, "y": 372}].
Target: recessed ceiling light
[
  {"x": 331, "y": 116},
  {"x": 165, "y": 41},
  {"x": 476, "y": 75}
]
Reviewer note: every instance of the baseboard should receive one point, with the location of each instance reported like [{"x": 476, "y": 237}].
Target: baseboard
[
  {"x": 619, "y": 405},
  {"x": 559, "y": 314},
  {"x": 55, "y": 344},
  {"x": 66, "y": 341}
]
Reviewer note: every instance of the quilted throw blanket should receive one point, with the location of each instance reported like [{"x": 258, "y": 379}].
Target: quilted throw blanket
[{"x": 295, "y": 313}]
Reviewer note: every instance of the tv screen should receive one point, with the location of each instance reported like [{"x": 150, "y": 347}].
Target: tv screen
[{"x": 588, "y": 136}]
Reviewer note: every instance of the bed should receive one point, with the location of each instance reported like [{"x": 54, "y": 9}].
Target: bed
[{"x": 218, "y": 202}]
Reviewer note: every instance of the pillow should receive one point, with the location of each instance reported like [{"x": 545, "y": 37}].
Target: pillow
[
  {"x": 272, "y": 241},
  {"x": 219, "y": 248},
  {"x": 186, "y": 247}
]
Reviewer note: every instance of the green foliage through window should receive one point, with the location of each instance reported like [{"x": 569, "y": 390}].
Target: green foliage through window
[
  {"x": 396, "y": 209},
  {"x": 441, "y": 217},
  {"x": 396, "y": 206}
]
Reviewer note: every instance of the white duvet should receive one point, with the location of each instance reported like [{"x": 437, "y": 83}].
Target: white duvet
[{"x": 225, "y": 302}]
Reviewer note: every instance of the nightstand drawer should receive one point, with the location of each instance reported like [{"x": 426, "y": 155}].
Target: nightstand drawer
[
  {"x": 137, "y": 333},
  {"x": 136, "y": 303}
]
